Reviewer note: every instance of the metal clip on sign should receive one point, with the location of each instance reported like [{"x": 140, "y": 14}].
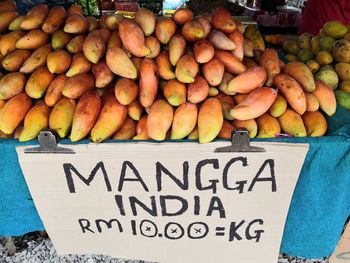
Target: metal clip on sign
[
  {"x": 48, "y": 144},
  {"x": 240, "y": 143}
]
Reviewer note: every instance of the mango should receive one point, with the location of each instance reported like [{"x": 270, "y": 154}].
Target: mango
[
  {"x": 292, "y": 123},
  {"x": 127, "y": 131},
  {"x": 343, "y": 98},
  {"x": 8, "y": 5},
  {"x": 231, "y": 63},
  {"x": 194, "y": 135},
  {"x": 312, "y": 103},
  {"x": 221, "y": 41},
  {"x": 292, "y": 91},
  {"x": 85, "y": 115},
  {"x": 60, "y": 39},
  {"x": 343, "y": 71},
  {"x": 112, "y": 21},
  {"x": 223, "y": 21},
  {"x": 329, "y": 77},
  {"x": 213, "y": 92},
  {"x": 313, "y": 66},
  {"x": 111, "y": 119},
  {"x": 8, "y": 41},
  {"x": 75, "y": 45},
  {"x": 315, "y": 124},
  {"x": 256, "y": 104},
  {"x": 341, "y": 51},
  {"x": 226, "y": 130},
  {"x": 290, "y": 47},
  {"x": 175, "y": 92},
  {"x": 54, "y": 91},
  {"x": 54, "y": 20},
  {"x": 153, "y": 45},
  {"x": 103, "y": 21},
  {"x": 324, "y": 58},
  {"x": 35, "y": 17},
  {"x": 186, "y": 69},
  {"x": 304, "y": 55},
  {"x": 137, "y": 63},
  {"x": 126, "y": 90},
  {"x": 135, "y": 110},
  {"x": 185, "y": 120},
  {"x": 79, "y": 64},
  {"x": 148, "y": 82},
  {"x": 238, "y": 39},
  {"x": 304, "y": 40},
  {"x": 94, "y": 46},
  {"x": 198, "y": 90},
  {"x": 38, "y": 82},
  {"x": 278, "y": 107},
  {"x": 58, "y": 61},
  {"x": 326, "y": 97},
  {"x": 76, "y": 24},
  {"x": 141, "y": 130},
  {"x": 302, "y": 74},
  {"x": 75, "y": 9},
  {"x": 13, "y": 112},
  {"x": 165, "y": 29},
  {"x": 146, "y": 19},
  {"x": 15, "y": 59},
  {"x": 61, "y": 116},
  {"x": 252, "y": 32},
  {"x": 6, "y": 17},
  {"x": 213, "y": 72},
  {"x": 77, "y": 85},
  {"x": 223, "y": 87},
  {"x": 177, "y": 47},
  {"x": 205, "y": 24},
  {"x": 35, "y": 121},
  {"x": 159, "y": 120},
  {"x": 248, "y": 48},
  {"x": 315, "y": 44},
  {"x": 335, "y": 29},
  {"x": 249, "y": 63},
  {"x": 326, "y": 43},
  {"x": 103, "y": 75},
  {"x": 182, "y": 16},
  {"x": 15, "y": 25},
  {"x": 210, "y": 120},
  {"x": 36, "y": 60},
  {"x": 268, "y": 126},
  {"x": 11, "y": 85},
  {"x": 345, "y": 86},
  {"x": 32, "y": 40},
  {"x": 247, "y": 81},
  {"x": 193, "y": 31},
  {"x": 203, "y": 51},
  {"x": 94, "y": 24},
  {"x": 227, "y": 104},
  {"x": 164, "y": 67},
  {"x": 120, "y": 64}
]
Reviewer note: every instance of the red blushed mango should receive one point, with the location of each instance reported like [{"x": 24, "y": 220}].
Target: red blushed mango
[
  {"x": 250, "y": 125},
  {"x": 192, "y": 31},
  {"x": 221, "y": 41},
  {"x": 312, "y": 103},
  {"x": 79, "y": 64},
  {"x": 248, "y": 47},
  {"x": 226, "y": 130},
  {"x": 247, "y": 81},
  {"x": 227, "y": 103},
  {"x": 126, "y": 90},
  {"x": 186, "y": 69},
  {"x": 159, "y": 120},
  {"x": 153, "y": 45},
  {"x": 85, "y": 115},
  {"x": 165, "y": 29},
  {"x": 164, "y": 67},
  {"x": 270, "y": 61},
  {"x": 148, "y": 82},
  {"x": 198, "y": 90},
  {"x": 182, "y": 15},
  {"x": 326, "y": 97},
  {"x": 239, "y": 98},
  {"x": 237, "y": 38},
  {"x": 175, "y": 92},
  {"x": 141, "y": 129},
  {"x": 210, "y": 120},
  {"x": 147, "y": 20},
  {"x": 223, "y": 21},
  {"x": 205, "y": 23},
  {"x": 94, "y": 46},
  {"x": 213, "y": 71},
  {"x": 77, "y": 85},
  {"x": 231, "y": 63},
  {"x": 127, "y": 131},
  {"x": 110, "y": 120},
  {"x": 203, "y": 51},
  {"x": 103, "y": 75},
  {"x": 135, "y": 110},
  {"x": 185, "y": 120},
  {"x": 177, "y": 48},
  {"x": 133, "y": 38},
  {"x": 54, "y": 91},
  {"x": 103, "y": 21}
]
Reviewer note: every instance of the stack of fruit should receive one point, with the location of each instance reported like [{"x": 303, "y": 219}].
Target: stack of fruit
[
  {"x": 148, "y": 78},
  {"x": 327, "y": 55}
]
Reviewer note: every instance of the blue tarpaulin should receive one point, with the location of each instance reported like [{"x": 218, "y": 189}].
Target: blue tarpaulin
[{"x": 318, "y": 211}]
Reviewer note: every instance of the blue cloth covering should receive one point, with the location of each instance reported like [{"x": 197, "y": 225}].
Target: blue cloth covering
[{"x": 318, "y": 211}]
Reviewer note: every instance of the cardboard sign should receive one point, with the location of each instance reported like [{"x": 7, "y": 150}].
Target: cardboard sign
[
  {"x": 165, "y": 202},
  {"x": 342, "y": 252}
]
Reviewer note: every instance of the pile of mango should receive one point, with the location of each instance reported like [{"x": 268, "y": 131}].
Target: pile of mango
[
  {"x": 150, "y": 78},
  {"x": 327, "y": 55}
]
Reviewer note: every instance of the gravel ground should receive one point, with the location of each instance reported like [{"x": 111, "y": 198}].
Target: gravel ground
[{"x": 37, "y": 248}]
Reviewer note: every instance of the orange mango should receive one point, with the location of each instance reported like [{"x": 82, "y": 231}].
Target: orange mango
[
  {"x": 250, "y": 125},
  {"x": 60, "y": 39},
  {"x": 182, "y": 16},
  {"x": 248, "y": 48},
  {"x": 77, "y": 85},
  {"x": 15, "y": 59},
  {"x": 15, "y": 25},
  {"x": 54, "y": 91},
  {"x": 8, "y": 41},
  {"x": 198, "y": 90},
  {"x": 103, "y": 75},
  {"x": 76, "y": 24},
  {"x": 226, "y": 130},
  {"x": 270, "y": 61},
  {"x": 240, "y": 98},
  {"x": 203, "y": 51},
  {"x": 194, "y": 135},
  {"x": 112, "y": 21},
  {"x": 175, "y": 92},
  {"x": 61, "y": 116},
  {"x": 146, "y": 20},
  {"x": 141, "y": 129},
  {"x": 292, "y": 123},
  {"x": 231, "y": 63},
  {"x": 213, "y": 72},
  {"x": 94, "y": 46},
  {"x": 126, "y": 90},
  {"x": 315, "y": 123},
  {"x": 278, "y": 107},
  {"x": 186, "y": 69},
  {"x": 54, "y": 20},
  {"x": 192, "y": 31},
  {"x": 326, "y": 97},
  {"x": 237, "y": 38},
  {"x": 268, "y": 126},
  {"x": 38, "y": 82},
  {"x": 301, "y": 73},
  {"x": 177, "y": 48},
  {"x": 79, "y": 64},
  {"x": 11, "y": 85},
  {"x": 120, "y": 64},
  {"x": 58, "y": 61},
  {"x": 165, "y": 29},
  {"x": 75, "y": 9},
  {"x": 75, "y": 45},
  {"x": 185, "y": 120},
  {"x": 35, "y": 17},
  {"x": 223, "y": 21},
  {"x": 148, "y": 82},
  {"x": 227, "y": 104},
  {"x": 205, "y": 24},
  {"x": 223, "y": 87},
  {"x": 127, "y": 131},
  {"x": 36, "y": 60},
  {"x": 249, "y": 63},
  {"x": 135, "y": 110},
  {"x": 210, "y": 120},
  {"x": 164, "y": 67},
  {"x": 6, "y": 17},
  {"x": 153, "y": 45},
  {"x": 221, "y": 41},
  {"x": 312, "y": 103},
  {"x": 32, "y": 40}
]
